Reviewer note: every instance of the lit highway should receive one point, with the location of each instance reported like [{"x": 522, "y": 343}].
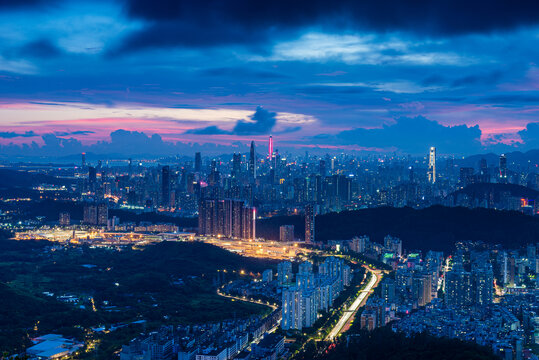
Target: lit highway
[{"x": 345, "y": 318}]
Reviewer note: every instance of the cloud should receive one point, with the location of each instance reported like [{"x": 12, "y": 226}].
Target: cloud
[
  {"x": 260, "y": 123},
  {"x": 414, "y": 135},
  {"x": 208, "y": 130},
  {"x": 11, "y": 134},
  {"x": 78, "y": 132},
  {"x": 207, "y": 22},
  {"x": 530, "y": 135}
]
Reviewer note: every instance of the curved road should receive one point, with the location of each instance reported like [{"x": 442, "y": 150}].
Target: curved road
[
  {"x": 245, "y": 299},
  {"x": 348, "y": 313}
]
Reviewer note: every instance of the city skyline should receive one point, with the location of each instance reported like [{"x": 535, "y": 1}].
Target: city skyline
[{"x": 96, "y": 76}]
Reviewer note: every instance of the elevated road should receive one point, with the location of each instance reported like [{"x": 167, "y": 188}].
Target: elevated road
[{"x": 348, "y": 314}]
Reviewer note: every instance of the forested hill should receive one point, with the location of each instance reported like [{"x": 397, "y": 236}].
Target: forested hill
[{"x": 433, "y": 228}]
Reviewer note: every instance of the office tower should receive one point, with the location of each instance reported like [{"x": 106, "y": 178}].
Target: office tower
[
  {"x": 198, "y": 162},
  {"x": 92, "y": 177},
  {"x": 322, "y": 168},
  {"x": 102, "y": 214},
  {"x": 252, "y": 161},
  {"x": 503, "y": 169},
  {"x": 310, "y": 215},
  {"x": 292, "y": 317},
  {"x": 165, "y": 185},
  {"x": 284, "y": 272},
  {"x": 286, "y": 233},
  {"x": 432, "y": 165},
  {"x": 83, "y": 160},
  {"x": 236, "y": 165},
  {"x": 64, "y": 219},
  {"x": 483, "y": 285},
  {"x": 270, "y": 148}
]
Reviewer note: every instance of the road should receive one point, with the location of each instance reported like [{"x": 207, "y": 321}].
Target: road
[
  {"x": 348, "y": 313},
  {"x": 245, "y": 299}
]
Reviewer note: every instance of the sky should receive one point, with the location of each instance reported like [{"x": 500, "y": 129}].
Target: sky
[{"x": 173, "y": 77}]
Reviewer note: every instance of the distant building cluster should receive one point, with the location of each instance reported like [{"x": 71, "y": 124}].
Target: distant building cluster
[
  {"x": 211, "y": 341},
  {"x": 311, "y": 293}
]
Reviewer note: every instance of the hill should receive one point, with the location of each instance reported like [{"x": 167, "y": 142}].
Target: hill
[
  {"x": 382, "y": 343},
  {"x": 433, "y": 228},
  {"x": 483, "y": 191}
]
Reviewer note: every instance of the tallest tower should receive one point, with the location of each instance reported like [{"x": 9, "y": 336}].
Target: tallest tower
[{"x": 270, "y": 147}]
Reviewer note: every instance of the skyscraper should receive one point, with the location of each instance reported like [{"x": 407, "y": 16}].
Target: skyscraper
[
  {"x": 83, "y": 161},
  {"x": 236, "y": 165},
  {"x": 309, "y": 223},
  {"x": 432, "y": 165},
  {"x": 198, "y": 162},
  {"x": 165, "y": 185},
  {"x": 252, "y": 162},
  {"x": 503, "y": 168},
  {"x": 270, "y": 148}
]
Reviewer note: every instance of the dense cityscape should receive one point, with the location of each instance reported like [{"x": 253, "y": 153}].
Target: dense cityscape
[{"x": 269, "y": 180}]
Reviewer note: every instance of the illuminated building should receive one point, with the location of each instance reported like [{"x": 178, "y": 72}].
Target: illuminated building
[
  {"x": 270, "y": 148},
  {"x": 165, "y": 186},
  {"x": 503, "y": 169},
  {"x": 252, "y": 161},
  {"x": 230, "y": 218},
  {"x": 310, "y": 214},
  {"x": 432, "y": 165}
]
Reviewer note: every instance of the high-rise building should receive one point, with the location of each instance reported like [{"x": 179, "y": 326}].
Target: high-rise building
[
  {"x": 198, "y": 162},
  {"x": 102, "y": 214},
  {"x": 503, "y": 169},
  {"x": 483, "y": 285},
  {"x": 64, "y": 219},
  {"x": 292, "y": 308},
  {"x": 458, "y": 284},
  {"x": 310, "y": 215},
  {"x": 432, "y": 165},
  {"x": 252, "y": 162},
  {"x": 284, "y": 272},
  {"x": 236, "y": 165},
  {"x": 286, "y": 233},
  {"x": 165, "y": 185},
  {"x": 83, "y": 160},
  {"x": 270, "y": 148},
  {"x": 90, "y": 214}
]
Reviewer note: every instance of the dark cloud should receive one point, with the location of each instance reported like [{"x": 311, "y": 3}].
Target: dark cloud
[
  {"x": 262, "y": 121},
  {"x": 209, "y": 130},
  {"x": 414, "y": 135},
  {"x": 479, "y": 79},
  {"x": 11, "y": 134},
  {"x": 530, "y": 135},
  {"x": 42, "y": 48},
  {"x": 7, "y": 4},
  {"x": 78, "y": 132},
  {"x": 211, "y": 22}
]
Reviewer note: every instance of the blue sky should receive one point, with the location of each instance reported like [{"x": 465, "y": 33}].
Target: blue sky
[{"x": 327, "y": 76}]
